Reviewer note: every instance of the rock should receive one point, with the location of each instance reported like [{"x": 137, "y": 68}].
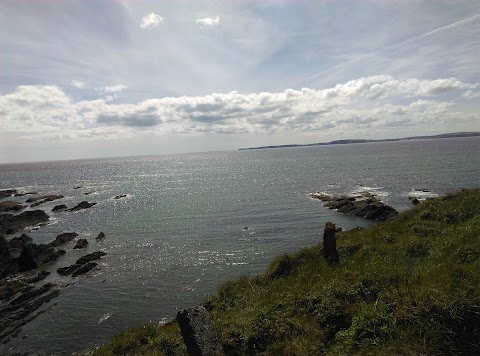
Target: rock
[
  {"x": 5, "y": 193},
  {"x": 414, "y": 201},
  {"x": 82, "y": 205},
  {"x": 20, "y": 255},
  {"x": 59, "y": 207},
  {"x": 81, "y": 244},
  {"x": 10, "y": 206},
  {"x": 63, "y": 238},
  {"x": 90, "y": 257},
  {"x": 198, "y": 332},
  {"x": 100, "y": 236},
  {"x": 10, "y": 224},
  {"x": 83, "y": 264},
  {"x": 88, "y": 193},
  {"x": 330, "y": 243},
  {"x": 364, "y": 205},
  {"x": 23, "y": 194},
  {"x": 78, "y": 187},
  {"x": 120, "y": 196},
  {"x": 84, "y": 268},
  {"x": 45, "y": 198}
]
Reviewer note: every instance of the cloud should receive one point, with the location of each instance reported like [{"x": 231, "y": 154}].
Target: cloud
[
  {"x": 114, "y": 88},
  {"x": 380, "y": 103},
  {"x": 150, "y": 21},
  {"x": 470, "y": 94},
  {"x": 208, "y": 21},
  {"x": 78, "y": 84}
]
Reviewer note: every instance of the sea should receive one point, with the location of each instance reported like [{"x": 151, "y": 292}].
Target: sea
[{"x": 191, "y": 222}]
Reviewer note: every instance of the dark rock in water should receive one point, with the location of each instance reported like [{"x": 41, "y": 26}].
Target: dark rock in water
[
  {"x": 5, "y": 193},
  {"x": 66, "y": 271},
  {"x": 63, "y": 238},
  {"x": 43, "y": 199},
  {"x": 88, "y": 193},
  {"x": 59, "y": 207},
  {"x": 82, "y": 205},
  {"x": 83, "y": 264},
  {"x": 79, "y": 187},
  {"x": 365, "y": 205},
  {"x": 81, "y": 244},
  {"x": 84, "y": 268},
  {"x": 23, "y": 194},
  {"x": 10, "y": 206},
  {"x": 10, "y": 224},
  {"x": 198, "y": 332},
  {"x": 90, "y": 257},
  {"x": 120, "y": 196},
  {"x": 100, "y": 236}
]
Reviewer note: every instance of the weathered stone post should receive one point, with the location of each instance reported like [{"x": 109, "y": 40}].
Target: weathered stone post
[
  {"x": 330, "y": 243},
  {"x": 198, "y": 332}
]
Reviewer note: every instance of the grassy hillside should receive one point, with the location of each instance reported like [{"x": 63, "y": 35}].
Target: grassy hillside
[{"x": 409, "y": 286}]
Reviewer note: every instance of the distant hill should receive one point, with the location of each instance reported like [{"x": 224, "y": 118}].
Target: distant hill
[{"x": 343, "y": 142}]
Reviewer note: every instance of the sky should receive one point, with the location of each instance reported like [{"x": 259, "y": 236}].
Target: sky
[{"x": 101, "y": 78}]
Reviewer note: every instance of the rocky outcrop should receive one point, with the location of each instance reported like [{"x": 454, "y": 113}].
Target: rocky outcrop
[
  {"x": 60, "y": 207},
  {"x": 120, "y": 196},
  {"x": 24, "y": 193},
  {"x": 100, "y": 236},
  {"x": 5, "y": 193},
  {"x": 63, "y": 238},
  {"x": 19, "y": 299},
  {"x": 21, "y": 254},
  {"x": 81, "y": 244},
  {"x": 198, "y": 332},
  {"x": 83, "y": 264},
  {"x": 82, "y": 205},
  {"x": 362, "y": 204},
  {"x": 91, "y": 257},
  {"x": 43, "y": 199},
  {"x": 10, "y": 224},
  {"x": 9, "y": 205}
]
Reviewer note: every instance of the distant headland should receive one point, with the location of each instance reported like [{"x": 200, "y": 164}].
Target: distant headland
[{"x": 344, "y": 142}]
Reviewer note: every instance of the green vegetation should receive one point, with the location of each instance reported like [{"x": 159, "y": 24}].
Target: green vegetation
[{"x": 408, "y": 286}]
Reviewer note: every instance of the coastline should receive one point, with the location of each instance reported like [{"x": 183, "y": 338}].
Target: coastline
[{"x": 389, "y": 293}]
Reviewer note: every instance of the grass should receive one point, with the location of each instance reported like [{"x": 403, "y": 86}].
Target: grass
[{"x": 408, "y": 286}]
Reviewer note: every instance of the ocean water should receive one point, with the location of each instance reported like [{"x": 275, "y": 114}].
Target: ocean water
[{"x": 180, "y": 232}]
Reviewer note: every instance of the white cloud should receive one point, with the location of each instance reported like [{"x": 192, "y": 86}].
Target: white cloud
[
  {"x": 378, "y": 103},
  {"x": 114, "y": 88},
  {"x": 150, "y": 21},
  {"x": 78, "y": 84},
  {"x": 470, "y": 94},
  {"x": 208, "y": 21}
]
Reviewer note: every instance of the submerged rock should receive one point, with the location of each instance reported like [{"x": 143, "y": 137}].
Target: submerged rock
[
  {"x": 82, "y": 205},
  {"x": 120, "y": 196},
  {"x": 100, "y": 236}
]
